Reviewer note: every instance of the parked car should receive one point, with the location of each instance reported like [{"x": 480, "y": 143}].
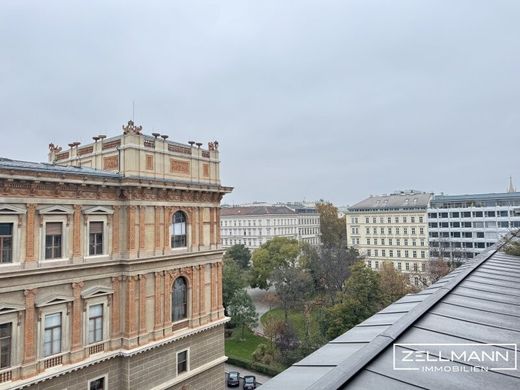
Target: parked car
[
  {"x": 233, "y": 379},
  {"x": 249, "y": 382}
]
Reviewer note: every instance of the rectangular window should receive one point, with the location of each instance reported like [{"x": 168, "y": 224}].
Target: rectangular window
[
  {"x": 383, "y": 252},
  {"x": 399, "y": 266},
  {"x": 52, "y": 334},
  {"x": 407, "y": 266},
  {"x": 53, "y": 240},
  {"x": 97, "y": 384},
  {"x": 6, "y": 334},
  {"x": 6, "y": 242},
  {"x": 95, "y": 323},
  {"x": 182, "y": 362},
  {"x": 95, "y": 238}
]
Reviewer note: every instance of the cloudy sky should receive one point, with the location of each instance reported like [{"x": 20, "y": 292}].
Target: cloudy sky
[{"x": 308, "y": 99}]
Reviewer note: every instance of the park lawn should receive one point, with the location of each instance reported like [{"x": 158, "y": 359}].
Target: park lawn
[
  {"x": 296, "y": 319},
  {"x": 243, "y": 349}
]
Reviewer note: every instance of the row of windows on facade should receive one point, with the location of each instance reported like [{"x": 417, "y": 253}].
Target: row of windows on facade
[
  {"x": 398, "y": 253},
  {"x": 265, "y": 222},
  {"x": 474, "y": 214},
  {"x": 252, "y": 242},
  {"x": 259, "y": 232},
  {"x": 395, "y": 219},
  {"x": 457, "y": 234},
  {"x": 476, "y": 225},
  {"x": 53, "y": 243},
  {"x": 53, "y": 326},
  {"x": 456, "y": 254},
  {"x": 398, "y": 265},
  {"x": 391, "y": 241},
  {"x": 458, "y": 244},
  {"x": 390, "y": 230}
]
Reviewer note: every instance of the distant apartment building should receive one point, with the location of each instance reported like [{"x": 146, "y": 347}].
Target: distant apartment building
[
  {"x": 391, "y": 228},
  {"x": 254, "y": 225},
  {"x": 461, "y": 226},
  {"x": 110, "y": 267}
]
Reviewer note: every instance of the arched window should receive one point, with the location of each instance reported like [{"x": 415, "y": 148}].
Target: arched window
[
  {"x": 179, "y": 300},
  {"x": 179, "y": 230}
]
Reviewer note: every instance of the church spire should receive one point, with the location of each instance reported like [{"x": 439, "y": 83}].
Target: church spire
[{"x": 511, "y": 187}]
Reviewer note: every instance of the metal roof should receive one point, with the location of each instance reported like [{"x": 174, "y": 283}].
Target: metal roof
[
  {"x": 6, "y": 163},
  {"x": 255, "y": 210},
  {"x": 479, "y": 303},
  {"x": 397, "y": 201}
]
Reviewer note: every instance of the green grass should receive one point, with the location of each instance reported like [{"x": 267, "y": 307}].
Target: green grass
[
  {"x": 296, "y": 319},
  {"x": 242, "y": 349},
  {"x": 239, "y": 351}
]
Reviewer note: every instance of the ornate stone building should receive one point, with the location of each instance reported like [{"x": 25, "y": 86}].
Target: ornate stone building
[{"x": 110, "y": 267}]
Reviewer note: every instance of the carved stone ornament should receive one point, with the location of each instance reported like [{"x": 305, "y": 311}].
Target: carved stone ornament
[
  {"x": 213, "y": 145},
  {"x": 54, "y": 148},
  {"x": 130, "y": 128}
]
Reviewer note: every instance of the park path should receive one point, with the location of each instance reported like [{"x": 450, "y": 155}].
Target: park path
[{"x": 261, "y": 305}]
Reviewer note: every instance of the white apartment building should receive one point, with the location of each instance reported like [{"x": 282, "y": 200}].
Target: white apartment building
[
  {"x": 391, "y": 228},
  {"x": 461, "y": 226},
  {"x": 253, "y": 226}
]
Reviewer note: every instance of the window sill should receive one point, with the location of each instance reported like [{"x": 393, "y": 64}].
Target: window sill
[{"x": 97, "y": 257}]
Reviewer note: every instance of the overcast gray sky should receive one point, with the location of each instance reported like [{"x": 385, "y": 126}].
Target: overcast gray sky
[{"x": 308, "y": 99}]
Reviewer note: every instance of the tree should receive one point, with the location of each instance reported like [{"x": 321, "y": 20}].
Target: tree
[
  {"x": 240, "y": 253},
  {"x": 512, "y": 248},
  {"x": 242, "y": 311},
  {"x": 232, "y": 281},
  {"x": 360, "y": 299},
  {"x": 275, "y": 253},
  {"x": 333, "y": 229},
  {"x": 292, "y": 285},
  {"x": 329, "y": 268},
  {"x": 394, "y": 284}
]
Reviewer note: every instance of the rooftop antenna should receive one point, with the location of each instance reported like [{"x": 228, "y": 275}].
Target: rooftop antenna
[{"x": 133, "y": 111}]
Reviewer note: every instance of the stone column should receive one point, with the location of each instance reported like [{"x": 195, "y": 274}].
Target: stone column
[
  {"x": 142, "y": 229},
  {"x": 30, "y": 323},
  {"x": 220, "y": 307},
  {"x": 131, "y": 231},
  {"x": 76, "y": 232},
  {"x": 195, "y": 291},
  {"x": 213, "y": 289},
  {"x": 166, "y": 229},
  {"x": 202, "y": 294},
  {"x": 142, "y": 309},
  {"x": 29, "y": 232},
  {"x": 116, "y": 312},
  {"x": 217, "y": 211},
  {"x": 130, "y": 315},
  {"x": 167, "y": 316},
  {"x": 211, "y": 227},
  {"x": 158, "y": 322},
  {"x": 77, "y": 309},
  {"x": 157, "y": 229},
  {"x": 194, "y": 228},
  {"x": 115, "y": 231},
  {"x": 201, "y": 227}
]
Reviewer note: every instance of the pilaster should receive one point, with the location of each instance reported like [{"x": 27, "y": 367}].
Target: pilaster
[{"x": 29, "y": 233}]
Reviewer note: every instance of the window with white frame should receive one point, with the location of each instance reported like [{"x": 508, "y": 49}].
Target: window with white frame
[
  {"x": 183, "y": 362},
  {"x": 95, "y": 323},
  {"x": 179, "y": 299},
  {"x": 52, "y": 334},
  {"x": 6, "y": 242},
  {"x": 178, "y": 238},
  {"x": 98, "y": 383},
  {"x": 53, "y": 240},
  {"x": 6, "y": 344},
  {"x": 95, "y": 238}
]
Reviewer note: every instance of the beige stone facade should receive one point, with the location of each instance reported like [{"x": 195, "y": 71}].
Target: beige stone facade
[
  {"x": 392, "y": 228},
  {"x": 112, "y": 278}
]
